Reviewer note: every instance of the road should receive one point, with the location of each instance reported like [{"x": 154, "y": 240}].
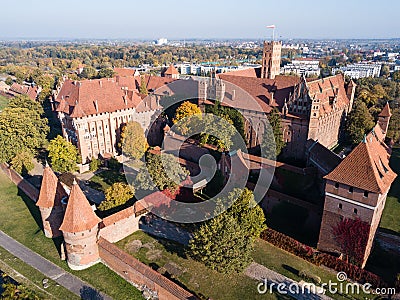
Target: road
[{"x": 50, "y": 270}]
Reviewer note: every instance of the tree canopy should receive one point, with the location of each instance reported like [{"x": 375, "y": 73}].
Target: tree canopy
[
  {"x": 63, "y": 155},
  {"x": 133, "y": 141},
  {"x": 156, "y": 174},
  {"x": 272, "y": 142},
  {"x": 225, "y": 242},
  {"x": 21, "y": 129},
  {"x": 183, "y": 114},
  {"x": 118, "y": 194},
  {"x": 359, "y": 122}
]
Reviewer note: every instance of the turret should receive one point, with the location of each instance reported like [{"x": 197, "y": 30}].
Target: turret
[
  {"x": 384, "y": 119},
  {"x": 80, "y": 229},
  {"x": 49, "y": 203}
]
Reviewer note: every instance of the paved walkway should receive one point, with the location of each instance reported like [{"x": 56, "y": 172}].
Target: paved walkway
[
  {"x": 261, "y": 273},
  {"x": 50, "y": 270}
]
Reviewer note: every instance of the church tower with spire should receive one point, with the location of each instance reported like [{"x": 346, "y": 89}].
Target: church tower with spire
[
  {"x": 80, "y": 230},
  {"x": 49, "y": 203}
]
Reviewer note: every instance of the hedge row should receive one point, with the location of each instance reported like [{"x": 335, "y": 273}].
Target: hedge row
[{"x": 318, "y": 258}]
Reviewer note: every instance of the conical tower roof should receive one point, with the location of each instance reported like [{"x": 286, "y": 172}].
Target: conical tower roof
[
  {"x": 79, "y": 215},
  {"x": 386, "y": 111},
  {"x": 51, "y": 190},
  {"x": 366, "y": 167}
]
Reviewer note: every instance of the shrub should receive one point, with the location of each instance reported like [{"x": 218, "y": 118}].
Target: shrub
[
  {"x": 95, "y": 164},
  {"x": 22, "y": 162},
  {"x": 318, "y": 258}
]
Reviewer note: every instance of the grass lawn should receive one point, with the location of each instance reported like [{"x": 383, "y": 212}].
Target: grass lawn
[
  {"x": 31, "y": 278},
  {"x": 105, "y": 179},
  {"x": 3, "y": 102},
  {"x": 207, "y": 283},
  {"x": 194, "y": 276},
  {"x": 390, "y": 219},
  {"x": 21, "y": 220}
]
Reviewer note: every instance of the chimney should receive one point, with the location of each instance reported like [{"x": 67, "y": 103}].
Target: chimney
[
  {"x": 96, "y": 105},
  {"x": 272, "y": 99},
  {"x": 233, "y": 95},
  {"x": 101, "y": 83}
]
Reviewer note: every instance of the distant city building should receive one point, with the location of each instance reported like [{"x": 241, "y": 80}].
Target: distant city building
[
  {"x": 306, "y": 67},
  {"x": 360, "y": 70},
  {"x": 162, "y": 41}
]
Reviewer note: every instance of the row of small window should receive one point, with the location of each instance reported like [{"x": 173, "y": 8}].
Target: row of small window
[
  {"x": 355, "y": 210},
  {"x": 351, "y": 190}
]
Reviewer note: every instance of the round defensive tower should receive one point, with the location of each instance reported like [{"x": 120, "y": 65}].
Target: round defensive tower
[
  {"x": 49, "y": 202},
  {"x": 80, "y": 231}
]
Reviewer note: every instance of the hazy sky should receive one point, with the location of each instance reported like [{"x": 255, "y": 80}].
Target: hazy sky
[{"x": 152, "y": 19}]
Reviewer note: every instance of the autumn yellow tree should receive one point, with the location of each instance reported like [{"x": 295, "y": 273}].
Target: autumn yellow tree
[
  {"x": 183, "y": 114},
  {"x": 133, "y": 141}
]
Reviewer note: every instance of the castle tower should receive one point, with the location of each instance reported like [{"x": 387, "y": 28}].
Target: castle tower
[
  {"x": 357, "y": 189},
  {"x": 350, "y": 91},
  {"x": 49, "y": 203},
  {"x": 271, "y": 61},
  {"x": 171, "y": 72},
  {"x": 80, "y": 228},
  {"x": 384, "y": 118}
]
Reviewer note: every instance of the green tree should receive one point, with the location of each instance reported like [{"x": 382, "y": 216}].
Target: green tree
[
  {"x": 21, "y": 129},
  {"x": 63, "y": 155},
  {"x": 394, "y": 125},
  {"x": 273, "y": 143},
  {"x": 395, "y": 76},
  {"x": 106, "y": 73},
  {"x": 183, "y": 116},
  {"x": 22, "y": 162},
  {"x": 46, "y": 82},
  {"x": 385, "y": 71},
  {"x": 94, "y": 164},
  {"x": 22, "y": 101},
  {"x": 118, "y": 194},
  {"x": 9, "y": 81},
  {"x": 225, "y": 243},
  {"x": 88, "y": 72},
  {"x": 359, "y": 122},
  {"x": 162, "y": 173},
  {"x": 133, "y": 141}
]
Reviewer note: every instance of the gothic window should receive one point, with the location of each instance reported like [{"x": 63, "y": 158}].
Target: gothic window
[
  {"x": 355, "y": 211},
  {"x": 366, "y": 194},
  {"x": 336, "y": 185},
  {"x": 340, "y": 206},
  {"x": 350, "y": 189}
]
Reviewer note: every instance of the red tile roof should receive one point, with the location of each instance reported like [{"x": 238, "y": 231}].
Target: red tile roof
[
  {"x": 28, "y": 90},
  {"x": 366, "y": 167},
  {"x": 250, "y": 72},
  {"x": 90, "y": 97},
  {"x": 261, "y": 90},
  {"x": 79, "y": 215},
  {"x": 51, "y": 190},
  {"x": 124, "y": 72},
  {"x": 326, "y": 90},
  {"x": 385, "y": 111},
  {"x": 171, "y": 71}
]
